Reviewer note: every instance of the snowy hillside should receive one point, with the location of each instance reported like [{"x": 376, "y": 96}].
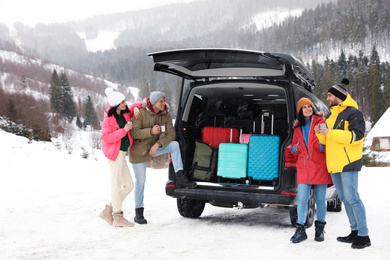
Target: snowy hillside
[
  {"x": 37, "y": 84},
  {"x": 50, "y": 201},
  {"x": 105, "y": 38}
]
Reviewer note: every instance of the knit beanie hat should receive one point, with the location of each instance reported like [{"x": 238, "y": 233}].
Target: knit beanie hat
[
  {"x": 303, "y": 101},
  {"x": 339, "y": 91},
  {"x": 114, "y": 98},
  {"x": 154, "y": 96}
]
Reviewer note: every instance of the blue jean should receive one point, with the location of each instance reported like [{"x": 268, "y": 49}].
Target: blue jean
[
  {"x": 346, "y": 184},
  {"x": 303, "y": 198},
  {"x": 140, "y": 170}
]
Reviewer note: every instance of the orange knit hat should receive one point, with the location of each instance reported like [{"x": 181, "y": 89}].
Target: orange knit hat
[{"x": 302, "y": 102}]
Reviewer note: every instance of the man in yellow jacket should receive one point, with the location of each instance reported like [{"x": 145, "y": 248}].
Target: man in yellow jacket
[{"x": 343, "y": 137}]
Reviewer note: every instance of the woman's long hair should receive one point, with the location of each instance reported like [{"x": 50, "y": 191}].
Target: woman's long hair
[
  {"x": 112, "y": 111},
  {"x": 301, "y": 118}
]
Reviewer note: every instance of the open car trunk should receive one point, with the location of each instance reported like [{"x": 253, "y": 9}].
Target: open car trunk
[{"x": 234, "y": 127}]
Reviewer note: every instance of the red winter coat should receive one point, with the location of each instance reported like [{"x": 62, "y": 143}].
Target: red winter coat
[
  {"x": 112, "y": 135},
  {"x": 311, "y": 162}
]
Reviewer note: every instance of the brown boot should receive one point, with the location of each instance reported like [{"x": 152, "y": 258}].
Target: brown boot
[
  {"x": 106, "y": 214},
  {"x": 120, "y": 221}
]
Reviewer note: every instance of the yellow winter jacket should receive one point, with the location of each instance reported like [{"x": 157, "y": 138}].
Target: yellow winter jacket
[{"x": 344, "y": 141}]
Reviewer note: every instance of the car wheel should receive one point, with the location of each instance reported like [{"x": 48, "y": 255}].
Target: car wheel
[
  {"x": 311, "y": 211},
  {"x": 334, "y": 205},
  {"x": 190, "y": 208}
]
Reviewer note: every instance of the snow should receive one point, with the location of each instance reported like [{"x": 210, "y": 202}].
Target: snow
[
  {"x": 380, "y": 129},
  {"x": 50, "y": 201},
  {"x": 103, "y": 41},
  {"x": 266, "y": 19}
]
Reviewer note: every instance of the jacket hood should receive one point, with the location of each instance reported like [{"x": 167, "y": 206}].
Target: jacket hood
[
  {"x": 150, "y": 107},
  {"x": 297, "y": 123},
  {"x": 349, "y": 102}
]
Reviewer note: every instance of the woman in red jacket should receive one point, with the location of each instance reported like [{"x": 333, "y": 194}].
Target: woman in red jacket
[
  {"x": 116, "y": 142},
  {"x": 311, "y": 169}
]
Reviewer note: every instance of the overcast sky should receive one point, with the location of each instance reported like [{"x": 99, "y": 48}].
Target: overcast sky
[{"x": 31, "y": 12}]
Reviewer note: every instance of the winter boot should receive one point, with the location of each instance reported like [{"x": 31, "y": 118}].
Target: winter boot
[
  {"x": 319, "y": 236},
  {"x": 106, "y": 214},
  {"x": 300, "y": 234},
  {"x": 139, "y": 216},
  {"x": 120, "y": 221},
  {"x": 350, "y": 238},
  {"x": 182, "y": 180},
  {"x": 361, "y": 242}
]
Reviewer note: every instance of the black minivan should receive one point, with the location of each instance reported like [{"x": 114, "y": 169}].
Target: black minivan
[{"x": 232, "y": 88}]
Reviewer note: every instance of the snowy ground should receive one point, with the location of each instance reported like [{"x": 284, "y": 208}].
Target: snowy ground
[{"x": 50, "y": 201}]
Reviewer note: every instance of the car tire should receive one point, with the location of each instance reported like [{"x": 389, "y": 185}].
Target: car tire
[
  {"x": 190, "y": 208},
  {"x": 334, "y": 205},
  {"x": 311, "y": 212}
]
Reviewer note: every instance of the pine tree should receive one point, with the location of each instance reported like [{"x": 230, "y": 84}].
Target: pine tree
[
  {"x": 342, "y": 65},
  {"x": 78, "y": 122},
  {"x": 327, "y": 80},
  {"x": 320, "y": 90},
  {"x": 90, "y": 115},
  {"x": 166, "y": 89},
  {"x": 145, "y": 90},
  {"x": 68, "y": 108},
  {"x": 375, "y": 92},
  {"x": 23, "y": 81},
  {"x": 11, "y": 112},
  {"x": 386, "y": 83},
  {"x": 55, "y": 92}
]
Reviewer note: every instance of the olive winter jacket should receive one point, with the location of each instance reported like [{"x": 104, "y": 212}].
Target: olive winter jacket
[{"x": 143, "y": 139}]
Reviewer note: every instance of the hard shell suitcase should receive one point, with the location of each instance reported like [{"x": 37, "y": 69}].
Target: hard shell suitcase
[
  {"x": 213, "y": 136},
  {"x": 244, "y": 138},
  {"x": 263, "y": 158},
  {"x": 232, "y": 160}
]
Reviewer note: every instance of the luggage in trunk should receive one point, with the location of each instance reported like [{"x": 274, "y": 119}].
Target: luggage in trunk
[
  {"x": 204, "y": 162},
  {"x": 267, "y": 122},
  {"x": 263, "y": 158},
  {"x": 232, "y": 160},
  {"x": 213, "y": 136}
]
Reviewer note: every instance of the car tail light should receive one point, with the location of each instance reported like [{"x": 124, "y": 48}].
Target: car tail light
[
  {"x": 290, "y": 159},
  {"x": 289, "y": 193}
]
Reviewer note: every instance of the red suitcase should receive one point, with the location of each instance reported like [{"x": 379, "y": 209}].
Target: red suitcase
[{"x": 213, "y": 136}]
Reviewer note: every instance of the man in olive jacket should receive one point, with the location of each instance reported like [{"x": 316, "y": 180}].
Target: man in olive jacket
[
  {"x": 344, "y": 159},
  {"x": 153, "y": 135}
]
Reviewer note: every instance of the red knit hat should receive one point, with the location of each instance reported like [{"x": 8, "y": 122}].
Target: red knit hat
[{"x": 303, "y": 101}]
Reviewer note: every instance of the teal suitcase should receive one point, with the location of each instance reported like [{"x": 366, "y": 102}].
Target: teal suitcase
[
  {"x": 263, "y": 161},
  {"x": 232, "y": 160}
]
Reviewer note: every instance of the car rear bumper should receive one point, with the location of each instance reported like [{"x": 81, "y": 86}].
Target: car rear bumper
[{"x": 231, "y": 196}]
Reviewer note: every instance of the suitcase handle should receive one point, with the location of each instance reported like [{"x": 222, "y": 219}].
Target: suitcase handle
[{"x": 269, "y": 115}]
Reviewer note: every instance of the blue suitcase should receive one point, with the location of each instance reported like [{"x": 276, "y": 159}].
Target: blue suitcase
[
  {"x": 232, "y": 160},
  {"x": 263, "y": 161}
]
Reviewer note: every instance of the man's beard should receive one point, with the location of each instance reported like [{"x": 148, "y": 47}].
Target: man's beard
[{"x": 332, "y": 104}]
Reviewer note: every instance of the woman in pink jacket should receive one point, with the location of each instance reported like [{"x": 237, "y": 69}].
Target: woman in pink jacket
[
  {"x": 311, "y": 169},
  {"x": 116, "y": 142}
]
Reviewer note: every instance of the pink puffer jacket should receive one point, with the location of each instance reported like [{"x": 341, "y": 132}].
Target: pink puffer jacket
[{"x": 112, "y": 135}]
